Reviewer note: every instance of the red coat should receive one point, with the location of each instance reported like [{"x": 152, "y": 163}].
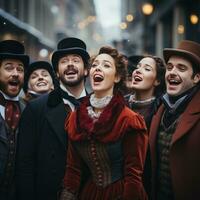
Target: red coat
[
  {"x": 94, "y": 144},
  {"x": 184, "y": 152}
]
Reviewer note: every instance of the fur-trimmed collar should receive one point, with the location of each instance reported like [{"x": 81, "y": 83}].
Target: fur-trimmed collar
[
  {"x": 115, "y": 121},
  {"x": 106, "y": 120}
]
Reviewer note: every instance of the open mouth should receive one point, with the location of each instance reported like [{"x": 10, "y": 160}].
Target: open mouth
[
  {"x": 40, "y": 84},
  {"x": 13, "y": 83},
  {"x": 137, "y": 78},
  {"x": 97, "y": 78},
  {"x": 174, "y": 82},
  {"x": 70, "y": 72}
]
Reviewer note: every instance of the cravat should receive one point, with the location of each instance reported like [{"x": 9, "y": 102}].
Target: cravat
[
  {"x": 72, "y": 99},
  {"x": 12, "y": 112}
]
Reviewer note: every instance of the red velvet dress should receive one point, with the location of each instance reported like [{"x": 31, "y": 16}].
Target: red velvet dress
[{"x": 113, "y": 148}]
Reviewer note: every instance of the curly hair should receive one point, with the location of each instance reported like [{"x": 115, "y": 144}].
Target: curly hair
[{"x": 120, "y": 64}]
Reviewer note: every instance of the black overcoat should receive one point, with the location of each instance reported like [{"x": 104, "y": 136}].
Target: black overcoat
[{"x": 42, "y": 146}]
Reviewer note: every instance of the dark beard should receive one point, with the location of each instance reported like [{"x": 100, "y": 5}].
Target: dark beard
[
  {"x": 4, "y": 89},
  {"x": 72, "y": 83}
]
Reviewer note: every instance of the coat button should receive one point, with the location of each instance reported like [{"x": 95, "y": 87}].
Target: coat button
[
  {"x": 96, "y": 163},
  {"x": 92, "y": 149},
  {"x": 100, "y": 183},
  {"x": 9, "y": 164},
  {"x": 89, "y": 137},
  {"x": 100, "y": 177}
]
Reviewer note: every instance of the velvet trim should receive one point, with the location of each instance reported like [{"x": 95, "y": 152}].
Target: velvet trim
[{"x": 113, "y": 123}]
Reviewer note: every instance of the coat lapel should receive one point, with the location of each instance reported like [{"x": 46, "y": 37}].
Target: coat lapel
[
  {"x": 3, "y": 134},
  {"x": 56, "y": 116},
  {"x": 22, "y": 105},
  {"x": 154, "y": 130},
  {"x": 188, "y": 119}
]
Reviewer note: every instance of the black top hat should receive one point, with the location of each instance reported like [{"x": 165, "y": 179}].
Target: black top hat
[
  {"x": 37, "y": 65},
  {"x": 69, "y": 46},
  {"x": 133, "y": 61},
  {"x": 13, "y": 49}
]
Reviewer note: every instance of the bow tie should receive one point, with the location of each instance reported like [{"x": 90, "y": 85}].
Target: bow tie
[
  {"x": 12, "y": 112},
  {"x": 72, "y": 99}
]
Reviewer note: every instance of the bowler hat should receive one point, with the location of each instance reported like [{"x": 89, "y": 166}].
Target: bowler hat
[
  {"x": 69, "y": 45},
  {"x": 187, "y": 49},
  {"x": 34, "y": 66},
  {"x": 12, "y": 49}
]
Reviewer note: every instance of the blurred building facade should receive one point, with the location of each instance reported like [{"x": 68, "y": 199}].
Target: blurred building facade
[
  {"x": 18, "y": 20},
  {"x": 79, "y": 19},
  {"x": 40, "y": 24},
  {"x": 164, "y": 26}
]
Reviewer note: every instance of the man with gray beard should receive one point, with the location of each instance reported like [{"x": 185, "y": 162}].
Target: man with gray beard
[{"x": 41, "y": 154}]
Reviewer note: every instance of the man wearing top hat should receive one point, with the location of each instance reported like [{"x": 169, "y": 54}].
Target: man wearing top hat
[
  {"x": 12, "y": 65},
  {"x": 175, "y": 129},
  {"x": 42, "y": 146}
]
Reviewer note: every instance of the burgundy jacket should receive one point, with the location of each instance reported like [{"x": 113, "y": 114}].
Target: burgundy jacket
[
  {"x": 184, "y": 153},
  {"x": 117, "y": 123}
]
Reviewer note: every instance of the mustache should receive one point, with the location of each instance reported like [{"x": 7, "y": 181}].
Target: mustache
[
  {"x": 14, "y": 81},
  {"x": 172, "y": 76},
  {"x": 70, "y": 70}
]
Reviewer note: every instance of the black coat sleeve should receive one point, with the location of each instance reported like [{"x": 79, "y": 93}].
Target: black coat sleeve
[{"x": 26, "y": 155}]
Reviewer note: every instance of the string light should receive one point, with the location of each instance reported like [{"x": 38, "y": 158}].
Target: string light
[
  {"x": 123, "y": 25},
  {"x": 180, "y": 29},
  {"x": 147, "y": 8},
  {"x": 129, "y": 18},
  {"x": 194, "y": 19}
]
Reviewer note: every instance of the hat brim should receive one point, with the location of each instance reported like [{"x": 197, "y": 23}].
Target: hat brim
[
  {"x": 39, "y": 65},
  {"x": 167, "y": 53},
  {"x": 23, "y": 58},
  {"x": 35, "y": 67},
  {"x": 133, "y": 61},
  {"x": 60, "y": 53}
]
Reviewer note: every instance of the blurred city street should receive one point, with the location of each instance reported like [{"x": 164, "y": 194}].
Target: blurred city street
[{"x": 133, "y": 26}]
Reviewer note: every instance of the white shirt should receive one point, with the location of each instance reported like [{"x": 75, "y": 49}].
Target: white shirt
[{"x": 71, "y": 105}]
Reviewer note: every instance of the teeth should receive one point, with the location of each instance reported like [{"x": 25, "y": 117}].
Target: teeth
[
  {"x": 71, "y": 73},
  {"x": 41, "y": 84},
  {"x": 137, "y": 78},
  {"x": 13, "y": 83},
  {"x": 98, "y": 78},
  {"x": 173, "y": 81}
]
